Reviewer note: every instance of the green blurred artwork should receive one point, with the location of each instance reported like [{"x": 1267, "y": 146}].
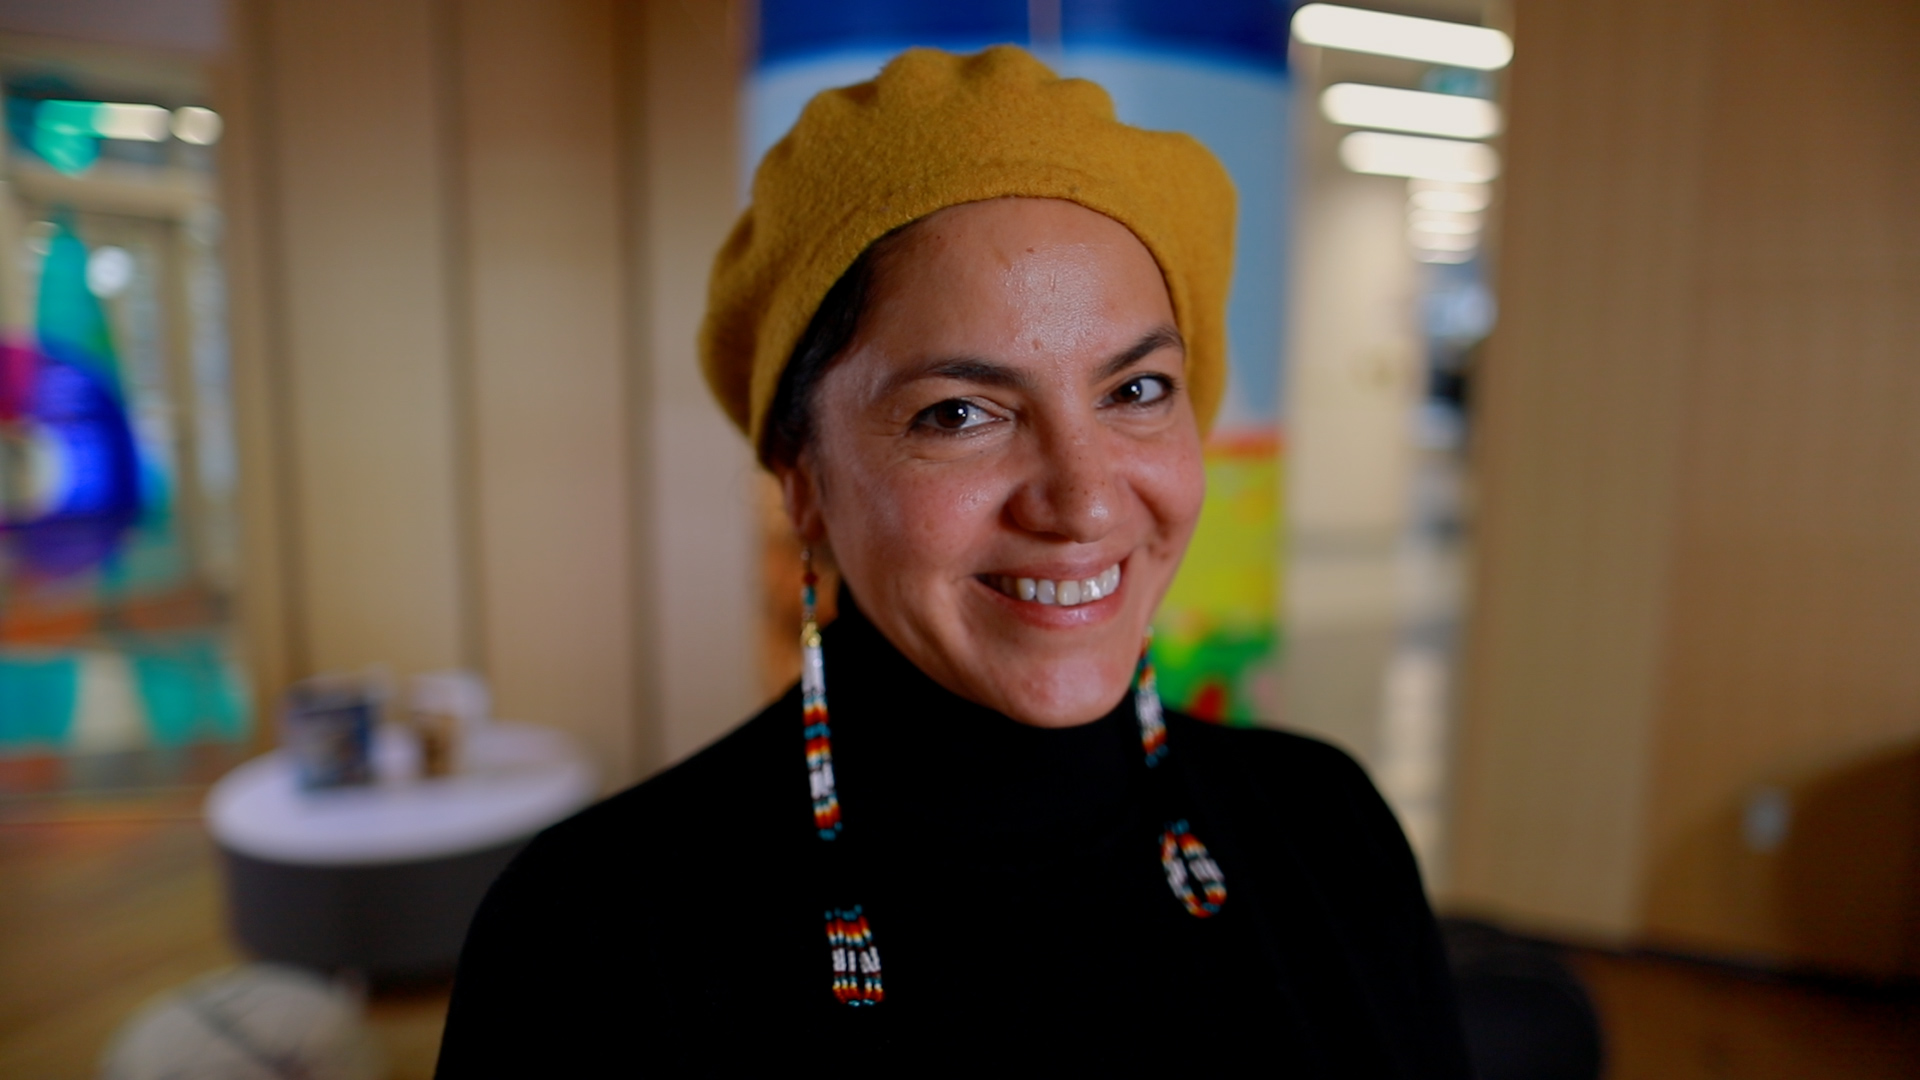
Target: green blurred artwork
[{"x": 1217, "y": 638}]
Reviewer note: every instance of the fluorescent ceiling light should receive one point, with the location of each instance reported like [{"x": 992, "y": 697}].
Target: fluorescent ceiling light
[
  {"x": 1441, "y": 241},
  {"x": 1442, "y": 221},
  {"x": 1419, "y": 157},
  {"x": 1377, "y": 32},
  {"x": 1358, "y": 105},
  {"x": 119, "y": 120},
  {"x": 197, "y": 125},
  {"x": 1416, "y": 186},
  {"x": 141, "y": 123},
  {"x": 1459, "y": 198},
  {"x": 104, "y": 119}
]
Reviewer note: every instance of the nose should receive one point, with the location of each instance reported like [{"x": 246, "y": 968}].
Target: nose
[{"x": 1072, "y": 490}]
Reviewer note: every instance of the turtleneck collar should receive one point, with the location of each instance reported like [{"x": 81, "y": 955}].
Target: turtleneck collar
[{"x": 912, "y": 756}]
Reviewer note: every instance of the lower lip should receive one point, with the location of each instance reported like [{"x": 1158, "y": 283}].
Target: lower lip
[{"x": 1053, "y": 616}]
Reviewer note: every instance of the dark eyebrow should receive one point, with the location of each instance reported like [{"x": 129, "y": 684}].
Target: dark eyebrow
[
  {"x": 961, "y": 369},
  {"x": 987, "y": 373},
  {"x": 1151, "y": 342}
]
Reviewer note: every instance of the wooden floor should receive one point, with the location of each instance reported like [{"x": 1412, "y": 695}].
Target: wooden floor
[
  {"x": 1668, "y": 1019},
  {"x": 105, "y": 903}
]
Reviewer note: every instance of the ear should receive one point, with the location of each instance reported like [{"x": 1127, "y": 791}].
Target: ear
[{"x": 800, "y": 493}]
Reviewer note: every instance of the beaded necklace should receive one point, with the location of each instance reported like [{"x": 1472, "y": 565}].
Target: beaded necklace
[{"x": 856, "y": 959}]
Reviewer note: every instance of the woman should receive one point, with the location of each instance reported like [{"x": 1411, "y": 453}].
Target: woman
[{"x": 976, "y": 327}]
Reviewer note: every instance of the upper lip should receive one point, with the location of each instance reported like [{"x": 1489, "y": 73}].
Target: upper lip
[{"x": 1078, "y": 570}]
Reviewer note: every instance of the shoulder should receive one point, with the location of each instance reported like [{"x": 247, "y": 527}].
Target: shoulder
[
  {"x": 1316, "y": 834},
  {"x": 728, "y": 797},
  {"x": 734, "y": 784},
  {"x": 591, "y": 894},
  {"x": 1310, "y": 792},
  {"x": 1287, "y": 760}
]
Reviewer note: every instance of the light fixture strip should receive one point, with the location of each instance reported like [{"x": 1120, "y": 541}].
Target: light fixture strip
[
  {"x": 1458, "y": 202},
  {"x": 138, "y": 123},
  {"x": 1430, "y": 40},
  {"x": 1431, "y": 221},
  {"x": 130, "y": 122},
  {"x": 1382, "y": 154},
  {"x": 1442, "y": 241},
  {"x": 1391, "y": 109}
]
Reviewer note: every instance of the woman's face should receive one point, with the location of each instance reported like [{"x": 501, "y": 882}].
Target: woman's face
[{"x": 1005, "y": 461}]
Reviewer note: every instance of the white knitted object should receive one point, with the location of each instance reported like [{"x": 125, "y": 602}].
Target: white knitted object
[{"x": 254, "y": 1022}]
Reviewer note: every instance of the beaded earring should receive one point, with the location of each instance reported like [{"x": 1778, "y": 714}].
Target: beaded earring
[
  {"x": 813, "y": 708},
  {"x": 856, "y": 961},
  {"x": 1186, "y": 861},
  {"x": 1184, "y": 858},
  {"x": 1146, "y": 704}
]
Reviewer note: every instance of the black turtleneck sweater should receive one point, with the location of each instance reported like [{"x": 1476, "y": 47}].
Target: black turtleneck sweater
[{"x": 1012, "y": 879}]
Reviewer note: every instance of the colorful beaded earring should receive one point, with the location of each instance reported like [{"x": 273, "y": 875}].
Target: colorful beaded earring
[
  {"x": 813, "y": 709},
  {"x": 1186, "y": 861},
  {"x": 1184, "y": 858},
  {"x": 856, "y": 961},
  {"x": 1146, "y": 704}
]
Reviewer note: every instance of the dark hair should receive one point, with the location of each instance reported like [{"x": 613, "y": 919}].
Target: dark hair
[{"x": 789, "y": 425}]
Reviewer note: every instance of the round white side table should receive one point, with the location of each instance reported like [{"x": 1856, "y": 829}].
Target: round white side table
[{"x": 384, "y": 878}]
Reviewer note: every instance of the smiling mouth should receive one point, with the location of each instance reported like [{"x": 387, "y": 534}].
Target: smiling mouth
[{"x": 1068, "y": 593}]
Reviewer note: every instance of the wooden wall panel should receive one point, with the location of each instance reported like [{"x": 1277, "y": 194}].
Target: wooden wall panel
[
  {"x": 475, "y": 237},
  {"x": 1577, "y": 429},
  {"x": 1795, "y": 604},
  {"x": 1701, "y": 487},
  {"x": 700, "y": 538},
  {"x": 543, "y": 264},
  {"x": 360, "y": 181}
]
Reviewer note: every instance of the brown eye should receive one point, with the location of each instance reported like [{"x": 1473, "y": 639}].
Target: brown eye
[
  {"x": 953, "y": 415},
  {"x": 1144, "y": 390}
]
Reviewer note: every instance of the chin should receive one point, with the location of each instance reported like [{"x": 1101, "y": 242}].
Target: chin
[{"x": 1067, "y": 693}]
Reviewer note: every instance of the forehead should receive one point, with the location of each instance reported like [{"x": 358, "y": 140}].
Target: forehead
[{"x": 1016, "y": 267}]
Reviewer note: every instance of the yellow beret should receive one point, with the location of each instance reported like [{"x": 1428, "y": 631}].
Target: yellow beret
[{"x": 936, "y": 130}]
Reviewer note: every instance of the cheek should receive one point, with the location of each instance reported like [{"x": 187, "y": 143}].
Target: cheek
[
  {"x": 909, "y": 518},
  {"x": 1172, "y": 482}
]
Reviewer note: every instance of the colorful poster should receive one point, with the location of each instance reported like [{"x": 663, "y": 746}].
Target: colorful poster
[{"x": 116, "y": 478}]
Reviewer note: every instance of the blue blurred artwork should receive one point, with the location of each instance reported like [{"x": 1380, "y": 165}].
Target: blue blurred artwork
[
  {"x": 117, "y": 540},
  {"x": 67, "y": 410}
]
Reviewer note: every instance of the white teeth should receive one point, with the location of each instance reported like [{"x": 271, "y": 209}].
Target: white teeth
[{"x": 1062, "y": 593}]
